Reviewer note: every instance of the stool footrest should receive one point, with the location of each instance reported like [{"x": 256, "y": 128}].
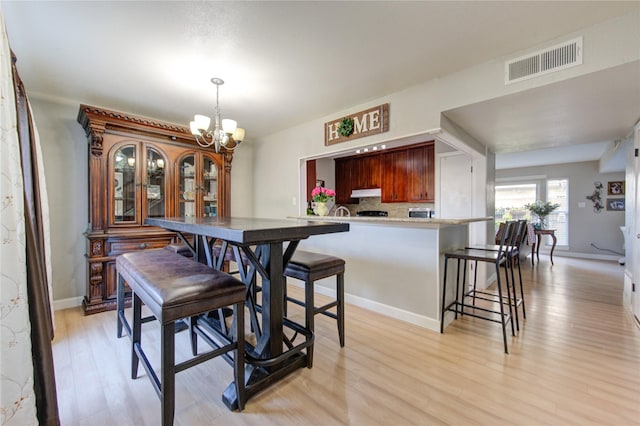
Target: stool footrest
[
  {"x": 155, "y": 382},
  {"x": 319, "y": 309}
]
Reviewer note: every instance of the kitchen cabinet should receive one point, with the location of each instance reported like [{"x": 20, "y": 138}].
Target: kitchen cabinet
[
  {"x": 405, "y": 174},
  {"x": 343, "y": 169},
  {"x": 367, "y": 171},
  {"x": 141, "y": 168},
  {"x": 395, "y": 170},
  {"x": 421, "y": 175}
]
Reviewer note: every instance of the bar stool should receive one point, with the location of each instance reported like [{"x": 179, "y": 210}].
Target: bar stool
[
  {"x": 498, "y": 258},
  {"x": 512, "y": 251},
  {"x": 310, "y": 267}
]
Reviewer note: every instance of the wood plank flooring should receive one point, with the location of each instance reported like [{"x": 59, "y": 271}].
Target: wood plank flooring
[{"x": 576, "y": 361}]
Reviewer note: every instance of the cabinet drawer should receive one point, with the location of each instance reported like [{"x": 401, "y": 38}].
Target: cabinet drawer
[{"x": 118, "y": 247}]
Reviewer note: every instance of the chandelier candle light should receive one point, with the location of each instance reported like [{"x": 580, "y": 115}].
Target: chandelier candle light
[{"x": 227, "y": 136}]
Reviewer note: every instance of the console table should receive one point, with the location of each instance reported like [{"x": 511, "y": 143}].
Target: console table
[{"x": 539, "y": 233}]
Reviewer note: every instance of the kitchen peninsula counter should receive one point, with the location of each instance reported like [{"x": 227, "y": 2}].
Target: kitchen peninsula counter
[
  {"x": 412, "y": 221},
  {"x": 394, "y": 266}
]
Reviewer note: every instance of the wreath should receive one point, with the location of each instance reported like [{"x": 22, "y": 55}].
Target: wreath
[{"x": 346, "y": 127}]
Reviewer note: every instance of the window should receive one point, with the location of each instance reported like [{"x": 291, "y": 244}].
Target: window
[
  {"x": 511, "y": 199},
  {"x": 558, "y": 193}
]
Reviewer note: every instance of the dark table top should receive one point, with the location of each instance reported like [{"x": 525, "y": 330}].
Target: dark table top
[{"x": 249, "y": 230}]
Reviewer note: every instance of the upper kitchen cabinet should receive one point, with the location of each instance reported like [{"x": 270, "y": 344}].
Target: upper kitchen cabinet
[
  {"x": 343, "y": 177},
  {"x": 395, "y": 169},
  {"x": 421, "y": 174},
  {"x": 405, "y": 174},
  {"x": 140, "y": 168},
  {"x": 366, "y": 171}
]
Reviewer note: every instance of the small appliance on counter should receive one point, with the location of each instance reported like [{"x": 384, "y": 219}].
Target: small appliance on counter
[
  {"x": 372, "y": 213},
  {"x": 424, "y": 212}
]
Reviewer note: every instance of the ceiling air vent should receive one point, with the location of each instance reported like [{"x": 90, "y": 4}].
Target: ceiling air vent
[{"x": 555, "y": 58}]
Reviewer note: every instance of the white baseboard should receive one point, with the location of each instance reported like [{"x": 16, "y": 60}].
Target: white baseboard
[
  {"x": 71, "y": 302},
  {"x": 390, "y": 311},
  {"x": 587, "y": 255},
  {"x": 591, "y": 256}
]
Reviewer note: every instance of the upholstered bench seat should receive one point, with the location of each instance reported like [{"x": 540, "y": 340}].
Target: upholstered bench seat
[{"x": 174, "y": 287}]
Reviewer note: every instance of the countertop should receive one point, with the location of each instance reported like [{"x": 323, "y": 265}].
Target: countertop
[{"x": 412, "y": 221}]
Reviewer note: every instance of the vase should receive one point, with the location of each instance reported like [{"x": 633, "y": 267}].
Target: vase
[
  {"x": 320, "y": 208},
  {"x": 541, "y": 222}
]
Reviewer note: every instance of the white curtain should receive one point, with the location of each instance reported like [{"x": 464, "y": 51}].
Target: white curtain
[{"x": 16, "y": 363}]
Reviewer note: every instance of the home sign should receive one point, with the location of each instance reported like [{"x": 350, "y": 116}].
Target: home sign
[{"x": 364, "y": 123}]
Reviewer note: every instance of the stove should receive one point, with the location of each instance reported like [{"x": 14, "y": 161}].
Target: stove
[{"x": 372, "y": 213}]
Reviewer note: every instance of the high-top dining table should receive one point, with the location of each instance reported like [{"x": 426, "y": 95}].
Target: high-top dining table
[{"x": 262, "y": 242}]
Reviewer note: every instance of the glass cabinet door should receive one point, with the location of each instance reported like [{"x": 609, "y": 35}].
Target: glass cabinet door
[
  {"x": 187, "y": 186},
  {"x": 155, "y": 184},
  {"x": 210, "y": 187},
  {"x": 124, "y": 192}
]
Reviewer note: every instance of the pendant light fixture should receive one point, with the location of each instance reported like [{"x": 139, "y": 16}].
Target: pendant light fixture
[{"x": 225, "y": 135}]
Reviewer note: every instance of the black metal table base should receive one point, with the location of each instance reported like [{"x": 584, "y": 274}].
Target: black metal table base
[{"x": 260, "y": 373}]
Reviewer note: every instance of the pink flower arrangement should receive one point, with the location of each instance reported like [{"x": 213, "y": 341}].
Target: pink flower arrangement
[{"x": 322, "y": 195}]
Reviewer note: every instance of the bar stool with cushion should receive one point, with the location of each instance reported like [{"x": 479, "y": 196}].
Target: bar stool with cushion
[
  {"x": 310, "y": 267},
  {"x": 458, "y": 305}
]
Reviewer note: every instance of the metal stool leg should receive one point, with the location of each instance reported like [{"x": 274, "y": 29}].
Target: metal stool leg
[
  {"x": 443, "y": 308},
  {"x": 504, "y": 326},
  {"x": 524, "y": 312}
]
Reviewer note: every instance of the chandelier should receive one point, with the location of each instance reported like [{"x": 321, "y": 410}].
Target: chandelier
[{"x": 225, "y": 133}]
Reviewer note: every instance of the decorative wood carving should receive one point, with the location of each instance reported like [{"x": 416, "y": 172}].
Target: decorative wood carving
[
  {"x": 96, "y": 143},
  {"x": 96, "y": 248}
]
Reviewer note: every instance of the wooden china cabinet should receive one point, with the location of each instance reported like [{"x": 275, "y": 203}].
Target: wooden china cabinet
[{"x": 140, "y": 168}]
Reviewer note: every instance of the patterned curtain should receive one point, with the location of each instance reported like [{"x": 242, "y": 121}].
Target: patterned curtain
[{"x": 27, "y": 383}]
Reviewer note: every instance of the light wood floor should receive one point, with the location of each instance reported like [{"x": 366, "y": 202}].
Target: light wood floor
[{"x": 576, "y": 361}]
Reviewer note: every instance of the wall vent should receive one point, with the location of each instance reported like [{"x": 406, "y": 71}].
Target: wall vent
[{"x": 555, "y": 58}]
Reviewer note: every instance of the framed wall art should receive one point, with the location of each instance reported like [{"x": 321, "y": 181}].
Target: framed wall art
[
  {"x": 615, "y": 204},
  {"x": 615, "y": 187}
]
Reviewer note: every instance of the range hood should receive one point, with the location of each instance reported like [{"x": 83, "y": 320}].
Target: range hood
[{"x": 363, "y": 193}]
